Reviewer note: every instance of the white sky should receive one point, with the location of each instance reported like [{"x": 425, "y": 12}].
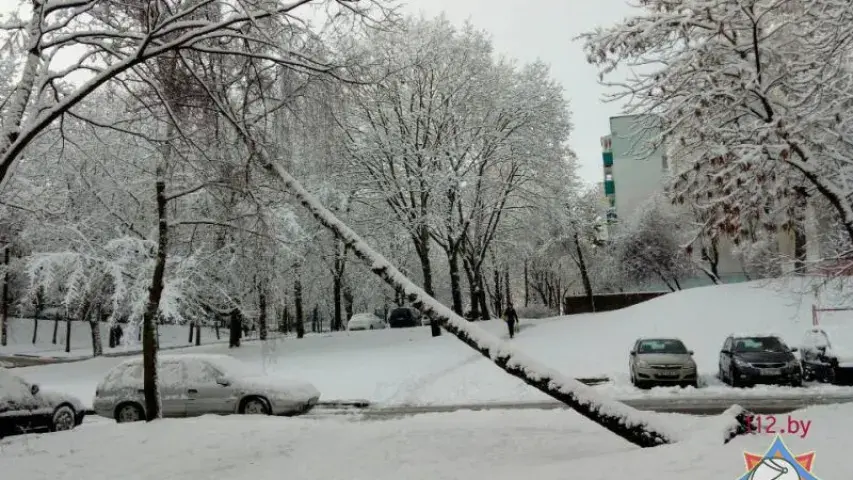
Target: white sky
[{"x": 544, "y": 29}]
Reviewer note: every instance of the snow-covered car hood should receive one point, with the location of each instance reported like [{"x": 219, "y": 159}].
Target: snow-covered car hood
[
  {"x": 53, "y": 399},
  {"x": 291, "y": 389}
]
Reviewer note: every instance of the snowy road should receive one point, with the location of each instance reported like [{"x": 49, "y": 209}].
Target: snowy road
[{"x": 691, "y": 406}]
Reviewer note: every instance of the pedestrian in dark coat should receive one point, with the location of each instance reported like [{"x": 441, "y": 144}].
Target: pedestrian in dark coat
[{"x": 511, "y": 319}]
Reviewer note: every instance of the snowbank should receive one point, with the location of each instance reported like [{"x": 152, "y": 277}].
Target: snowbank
[
  {"x": 463, "y": 445},
  {"x": 408, "y": 367}
]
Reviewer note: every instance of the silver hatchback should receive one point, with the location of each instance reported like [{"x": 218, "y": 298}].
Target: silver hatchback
[
  {"x": 192, "y": 385},
  {"x": 661, "y": 361}
]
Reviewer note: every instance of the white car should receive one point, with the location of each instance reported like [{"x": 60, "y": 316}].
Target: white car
[
  {"x": 365, "y": 321},
  {"x": 26, "y": 408},
  {"x": 200, "y": 384}
]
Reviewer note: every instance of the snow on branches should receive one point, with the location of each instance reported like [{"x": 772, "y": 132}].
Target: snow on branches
[
  {"x": 755, "y": 99},
  {"x": 114, "y": 275}
]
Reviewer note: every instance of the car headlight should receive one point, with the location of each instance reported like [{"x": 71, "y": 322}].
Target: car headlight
[
  {"x": 741, "y": 363},
  {"x": 642, "y": 363},
  {"x": 690, "y": 365}
]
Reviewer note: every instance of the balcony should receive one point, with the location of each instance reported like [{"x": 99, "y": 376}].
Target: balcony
[
  {"x": 608, "y": 159},
  {"x": 609, "y": 187}
]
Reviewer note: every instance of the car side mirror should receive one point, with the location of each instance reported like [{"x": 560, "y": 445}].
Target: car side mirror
[
  {"x": 690, "y": 352},
  {"x": 633, "y": 353},
  {"x": 795, "y": 349},
  {"x": 223, "y": 381},
  {"x": 34, "y": 389},
  {"x": 726, "y": 352}
]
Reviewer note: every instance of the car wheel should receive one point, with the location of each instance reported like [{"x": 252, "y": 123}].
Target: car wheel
[
  {"x": 64, "y": 418},
  {"x": 255, "y": 406},
  {"x": 129, "y": 412},
  {"x": 733, "y": 380}
]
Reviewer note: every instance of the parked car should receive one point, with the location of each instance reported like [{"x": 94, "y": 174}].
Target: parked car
[
  {"x": 200, "y": 384},
  {"x": 365, "y": 321},
  {"x": 403, "y": 317},
  {"x": 661, "y": 361},
  {"x": 826, "y": 355},
  {"x": 26, "y": 408},
  {"x": 749, "y": 360}
]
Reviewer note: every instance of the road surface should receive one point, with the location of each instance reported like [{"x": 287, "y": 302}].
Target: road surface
[{"x": 693, "y": 406}]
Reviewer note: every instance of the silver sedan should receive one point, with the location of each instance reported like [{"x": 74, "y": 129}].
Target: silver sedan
[{"x": 193, "y": 385}]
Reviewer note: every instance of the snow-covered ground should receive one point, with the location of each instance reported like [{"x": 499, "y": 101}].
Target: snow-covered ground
[
  {"x": 461, "y": 445},
  {"x": 20, "y": 340},
  {"x": 408, "y": 367}
]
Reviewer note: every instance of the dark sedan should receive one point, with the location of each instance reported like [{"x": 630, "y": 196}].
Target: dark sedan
[
  {"x": 25, "y": 408},
  {"x": 762, "y": 359}
]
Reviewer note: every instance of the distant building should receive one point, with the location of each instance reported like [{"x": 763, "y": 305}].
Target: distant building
[{"x": 635, "y": 170}]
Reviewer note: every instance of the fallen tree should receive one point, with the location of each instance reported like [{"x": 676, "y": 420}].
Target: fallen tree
[{"x": 644, "y": 429}]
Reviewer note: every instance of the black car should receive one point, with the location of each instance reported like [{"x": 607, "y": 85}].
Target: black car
[
  {"x": 825, "y": 356},
  {"x": 765, "y": 359},
  {"x": 25, "y": 408},
  {"x": 404, "y": 317}
]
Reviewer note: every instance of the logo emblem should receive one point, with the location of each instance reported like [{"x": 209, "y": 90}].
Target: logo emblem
[{"x": 779, "y": 464}]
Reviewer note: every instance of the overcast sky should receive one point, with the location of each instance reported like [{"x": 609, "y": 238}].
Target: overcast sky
[{"x": 544, "y": 29}]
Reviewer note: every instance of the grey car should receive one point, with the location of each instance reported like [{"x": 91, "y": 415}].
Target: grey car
[
  {"x": 661, "y": 361},
  {"x": 200, "y": 384}
]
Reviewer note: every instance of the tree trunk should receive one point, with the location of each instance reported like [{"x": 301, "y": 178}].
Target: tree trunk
[
  {"x": 262, "y": 316},
  {"x": 472, "y": 290},
  {"x": 36, "y": 325},
  {"x": 192, "y": 331},
  {"x": 216, "y": 326},
  {"x": 422, "y": 241},
  {"x": 150, "y": 319},
  {"x": 624, "y": 421},
  {"x": 480, "y": 282},
  {"x": 55, "y": 329},
  {"x": 235, "y": 329},
  {"x": 348, "y": 304},
  {"x": 297, "y": 302},
  {"x": 97, "y": 342},
  {"x": 498, "y": 297},
  {"x": 197, "y": 334},
  {"x": 336, "y": 296},
  {"x": 67, "y": 333},
  {"x": 4, "y": 315},
  {"x": 584, "y": 270},
  {"x": 508, "y": 292},
  {"x": 455, "y": 282},
  {"x": 526, "y": 285}
]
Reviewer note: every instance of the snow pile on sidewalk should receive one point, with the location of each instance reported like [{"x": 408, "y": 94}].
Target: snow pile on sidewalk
[{"x": 496, "y": 445}]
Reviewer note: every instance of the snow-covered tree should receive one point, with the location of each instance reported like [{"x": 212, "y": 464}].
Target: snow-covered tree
[{"x": 754, "y": 99}]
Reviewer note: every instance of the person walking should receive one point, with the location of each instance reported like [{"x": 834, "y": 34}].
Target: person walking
[{"x": 511, "y": 319}]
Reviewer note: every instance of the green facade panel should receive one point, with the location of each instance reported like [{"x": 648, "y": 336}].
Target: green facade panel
[
  {"x": 608, "y": 159},
  {"x": 609, "y": 187}
]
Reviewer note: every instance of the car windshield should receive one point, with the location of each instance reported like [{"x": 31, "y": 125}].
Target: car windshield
[
  {"x": 759, "y": 344},
  {"x": 662, "y": 346}
]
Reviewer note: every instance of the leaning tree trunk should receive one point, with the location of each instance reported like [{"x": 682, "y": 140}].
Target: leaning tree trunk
[
  {"x": 153, "y": 406},
  {"x": 636, "y": 427},
  {"x": 55, "y": 329},
  {"x": 197, "y": 334},
  {"x": 584, "y": 269},
  {"x": 422, "y": 240}
]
